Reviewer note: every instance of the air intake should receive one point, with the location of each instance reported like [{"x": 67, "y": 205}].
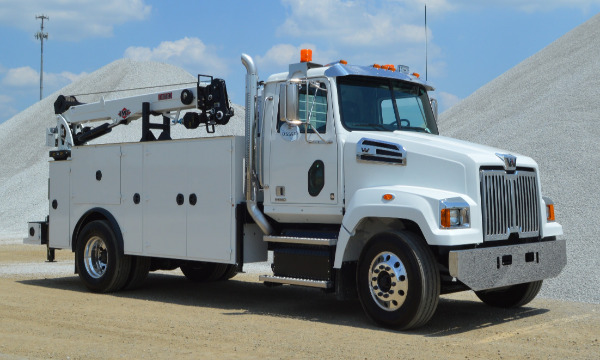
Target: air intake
[{"x": 380, "y": 151}]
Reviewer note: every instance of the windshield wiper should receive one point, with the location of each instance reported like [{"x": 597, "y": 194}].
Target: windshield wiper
[
  {"x": 374, "y": 126},
  {"x": 415, "y": 128}
]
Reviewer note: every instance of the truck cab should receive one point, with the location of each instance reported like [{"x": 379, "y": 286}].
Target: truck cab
[{"x": 358, "y": 146}]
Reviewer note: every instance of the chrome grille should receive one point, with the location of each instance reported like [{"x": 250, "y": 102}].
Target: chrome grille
[{"x": 510, "y": 204}]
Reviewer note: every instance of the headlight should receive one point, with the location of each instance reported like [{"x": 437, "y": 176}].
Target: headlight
[{"x": 454, "y": 213}]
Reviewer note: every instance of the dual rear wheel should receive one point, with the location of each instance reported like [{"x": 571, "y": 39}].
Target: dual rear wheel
[
  {"x": 100, "y": 264},
  {"x": 103, "y": 268}
]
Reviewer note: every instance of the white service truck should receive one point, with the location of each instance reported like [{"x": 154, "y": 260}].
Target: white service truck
[{"x": 341, "y": 174}]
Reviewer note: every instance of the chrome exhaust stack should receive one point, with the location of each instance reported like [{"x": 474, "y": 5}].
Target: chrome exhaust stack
[{"x": 251, "y": 187}]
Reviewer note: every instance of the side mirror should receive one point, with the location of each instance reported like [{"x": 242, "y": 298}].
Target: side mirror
[
  {"x": 288, "y": 103},
  {"x": 434, "y": 107}
]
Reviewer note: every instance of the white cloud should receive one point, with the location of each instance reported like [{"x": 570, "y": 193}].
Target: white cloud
[
  {"x": 26, "y": 77},
  {"x": 281, "y": 55},
  {"x": 520, "y": 5},
  {"x": 60, "y": 80},
  {"x": 21, "y": 77},
  {"x": 72, "y": 20},
  {"x": 446, "y": 100},
  {"x": 357, "y": 23},
  {"x": 189, "y": 53}
]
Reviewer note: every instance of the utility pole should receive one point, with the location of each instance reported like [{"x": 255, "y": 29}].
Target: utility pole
[{"x": 40, "y": 35}]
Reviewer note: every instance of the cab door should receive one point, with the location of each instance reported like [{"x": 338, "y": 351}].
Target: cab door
[{"x": 303, "y": 166}]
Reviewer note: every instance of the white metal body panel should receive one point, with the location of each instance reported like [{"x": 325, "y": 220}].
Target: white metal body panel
[
  {"x": 215, "y": 177},
  {"x": 58, "y": 231},
  {"x": 210, "y": 168},
  {"x": 255, "y": 248},
  {"x": 87, "y": 162},
  {"x": 165, "y": 176},
  {"x": 132, "y": 182}
]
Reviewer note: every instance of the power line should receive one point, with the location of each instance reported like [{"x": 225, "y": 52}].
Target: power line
[
  {"x": 41, "y": 35},
  {"x": 138, "y": 88}
]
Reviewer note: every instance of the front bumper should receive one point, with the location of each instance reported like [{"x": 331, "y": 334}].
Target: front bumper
[{"x": 494, "y": 267}]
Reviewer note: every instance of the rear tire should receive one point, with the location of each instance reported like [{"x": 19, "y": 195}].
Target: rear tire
[
  {"x": 511, "y": 296},
  {"x": 397, "y": 280},
  {"x": 140, "y": 267},
  {"x": 100, "y": 265},
  {"x": 204, "y": 271},
  {"x": 230, "y": 272}
]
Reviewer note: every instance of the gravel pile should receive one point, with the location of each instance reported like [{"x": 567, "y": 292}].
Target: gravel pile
[
  {"x": 546, "y": 107},
  {"x": 24, "y": 156}
]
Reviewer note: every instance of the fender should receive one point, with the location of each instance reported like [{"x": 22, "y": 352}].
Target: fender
[
  {"x": 98, "y": 213},
  {"x": 419, "y": 205}
]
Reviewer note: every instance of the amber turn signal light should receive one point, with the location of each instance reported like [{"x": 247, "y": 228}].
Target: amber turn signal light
[{"x": 550, "y": 212}]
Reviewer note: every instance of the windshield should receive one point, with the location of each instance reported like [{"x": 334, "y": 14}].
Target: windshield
[{"x": 380, "y": 104}]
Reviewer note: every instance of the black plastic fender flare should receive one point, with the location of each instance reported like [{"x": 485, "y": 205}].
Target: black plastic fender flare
[{"x": 98, "y": 213}]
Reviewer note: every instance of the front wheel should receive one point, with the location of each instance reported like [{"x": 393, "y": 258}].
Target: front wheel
[
  {"x": 511, "y": 296},
  {"x": 398, "y": 282},
  {"x": 99, "y": 263}
]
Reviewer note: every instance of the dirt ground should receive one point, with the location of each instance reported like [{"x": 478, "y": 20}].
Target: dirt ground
[{"x": 55, "y": 317}]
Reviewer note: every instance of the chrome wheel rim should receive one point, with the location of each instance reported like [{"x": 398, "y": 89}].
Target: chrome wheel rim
[
  {"x": 388, "y": 281},
  {"x": 95, "y": 257}
]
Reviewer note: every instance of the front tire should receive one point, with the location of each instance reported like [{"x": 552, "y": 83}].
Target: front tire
[
  {"x": 398, "y": 281},
  {"x": 100, "y": 265},
  {"x": 511, "y": 296}
]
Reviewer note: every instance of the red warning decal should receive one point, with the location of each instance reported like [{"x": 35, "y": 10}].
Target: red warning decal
[
  {"x": 165, "y": 96},
  {"x": 124, "y": 113}
]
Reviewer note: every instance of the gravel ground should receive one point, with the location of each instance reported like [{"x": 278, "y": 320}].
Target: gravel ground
[
  {"x": 53, "y": 316},
  {"x": 546, "y": 108}
]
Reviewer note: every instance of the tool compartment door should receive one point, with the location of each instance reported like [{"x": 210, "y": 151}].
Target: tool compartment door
[
  {"x": 210, "y": 222},
  {"x": 96, "y": 174},
  {"x": 164, "y": 219}
]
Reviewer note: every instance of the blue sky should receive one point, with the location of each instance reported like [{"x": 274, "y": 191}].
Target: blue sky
[{"x": 470, "y": 42}]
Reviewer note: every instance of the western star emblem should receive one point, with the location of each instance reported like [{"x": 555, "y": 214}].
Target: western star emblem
[
  {"x": 510, "y": 161},
  {"x": 124, "y": 113}
]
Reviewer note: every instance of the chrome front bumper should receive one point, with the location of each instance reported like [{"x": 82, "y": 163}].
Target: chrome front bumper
[{"x": 489, "y": 268}]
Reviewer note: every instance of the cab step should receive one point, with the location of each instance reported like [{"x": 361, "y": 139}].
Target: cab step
[
  {"x": 300, "y": 240},
  {"x": 321, "y": 284}
]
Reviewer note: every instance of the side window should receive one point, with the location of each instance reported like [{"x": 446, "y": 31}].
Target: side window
[{"x": 315, "y": 105}]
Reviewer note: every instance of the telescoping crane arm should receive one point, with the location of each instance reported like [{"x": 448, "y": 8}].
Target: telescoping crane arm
[{"x": 71, "y": 115}]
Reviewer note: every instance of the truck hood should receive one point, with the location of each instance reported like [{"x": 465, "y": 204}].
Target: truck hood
[
  {"x": 446, "y": 148},
  {"x": 431, "y": 161}
]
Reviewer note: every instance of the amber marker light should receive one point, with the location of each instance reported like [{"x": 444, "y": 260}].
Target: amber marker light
[
  {"x": 343, "y": 62},
  {"x": 305, "y": 55},
  {"x": 377, "y": 66},
  {"x": 388, "y": 197},
  {"x": 445, "y": 218},
  {"x": 417, "y": 75},
  {"x": 550, "y": 212}
]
